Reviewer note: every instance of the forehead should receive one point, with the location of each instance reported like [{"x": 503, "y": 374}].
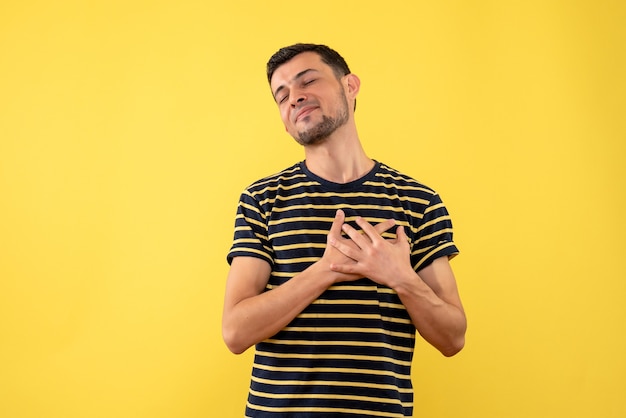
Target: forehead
[{"x": 301, "y": 62}]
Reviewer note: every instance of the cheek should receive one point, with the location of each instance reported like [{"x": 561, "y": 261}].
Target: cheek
[
  {"x": 284, "y": 116},
  {"x": 284, "y": 119}
]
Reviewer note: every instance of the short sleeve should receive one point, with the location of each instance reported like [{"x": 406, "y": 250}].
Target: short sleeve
[
  {"x": 251, "y": 234},
  {"x": 434, "y": 235}
]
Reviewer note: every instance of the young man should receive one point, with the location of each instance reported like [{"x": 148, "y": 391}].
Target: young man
[{"x": 336, "y": 261}]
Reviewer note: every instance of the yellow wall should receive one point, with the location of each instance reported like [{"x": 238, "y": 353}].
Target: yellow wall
[{"x": 128, "y": 129}]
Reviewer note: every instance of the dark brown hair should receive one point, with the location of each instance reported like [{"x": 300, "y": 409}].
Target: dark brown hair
[{"x": 329, "y": 56}]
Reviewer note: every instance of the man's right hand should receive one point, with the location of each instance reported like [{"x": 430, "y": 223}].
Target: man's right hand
[{"x": 333, "y": 256}]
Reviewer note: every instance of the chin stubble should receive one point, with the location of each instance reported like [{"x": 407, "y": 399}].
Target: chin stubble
[{"x": 325, "y": 128}]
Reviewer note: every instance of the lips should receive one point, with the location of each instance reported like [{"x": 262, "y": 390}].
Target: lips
[{"x": 304, "y": 112}]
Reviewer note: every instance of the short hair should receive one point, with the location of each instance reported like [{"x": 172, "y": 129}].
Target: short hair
[{"x": 329, "y": 56}]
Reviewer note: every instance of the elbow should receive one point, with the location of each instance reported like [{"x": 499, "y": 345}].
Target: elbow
[
  {"x": 233, "y": 346},
  {"x": 233, "y": 341},
  {"x": 456, "y": 340},
  {"x": 454, "y": 347}
]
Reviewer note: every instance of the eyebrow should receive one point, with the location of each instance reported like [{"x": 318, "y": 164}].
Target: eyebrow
[{"x": 297, "y": 76}]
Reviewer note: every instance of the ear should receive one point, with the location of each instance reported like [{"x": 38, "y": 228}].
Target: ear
[{"x": 353, "y": 84}]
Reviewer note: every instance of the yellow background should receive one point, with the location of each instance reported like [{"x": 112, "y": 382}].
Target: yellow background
[{"x": 129, "y": 128}]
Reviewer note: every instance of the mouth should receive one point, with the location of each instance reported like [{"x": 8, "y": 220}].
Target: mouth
[{"x": 304, "y": 112}]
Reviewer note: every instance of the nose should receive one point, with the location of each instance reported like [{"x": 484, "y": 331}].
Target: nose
[{"x": 296, "y": 98}]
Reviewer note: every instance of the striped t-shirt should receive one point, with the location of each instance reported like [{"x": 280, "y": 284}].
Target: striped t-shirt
[{"x": 349, "y": 353}]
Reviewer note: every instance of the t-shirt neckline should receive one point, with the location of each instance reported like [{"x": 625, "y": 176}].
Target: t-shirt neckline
[{"x": 340, "y": 186}]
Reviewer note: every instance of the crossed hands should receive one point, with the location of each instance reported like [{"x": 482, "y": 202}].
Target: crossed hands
[{"x": 366, "y": 253}]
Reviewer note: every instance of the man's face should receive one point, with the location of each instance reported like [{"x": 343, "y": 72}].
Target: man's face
[{"x": 312, "y": 102}]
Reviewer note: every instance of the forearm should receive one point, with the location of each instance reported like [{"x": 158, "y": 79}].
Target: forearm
[
  {"x": 256, "y": 318},
  {"x": 431, "y": 298},
  {"x": 252, "y": 315},
  {"x": 441, "y": 323}
]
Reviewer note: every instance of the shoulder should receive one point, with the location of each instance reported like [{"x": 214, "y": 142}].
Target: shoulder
[
  {"x": 289, "y": 174},
  {"x": 402, "y": 181}
]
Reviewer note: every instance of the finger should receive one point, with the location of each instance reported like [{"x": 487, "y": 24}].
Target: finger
[
  {"x": 371, "y": 231},
  {"x": 384, "y": 226},
  {"x": 357, "y": 237},
  {"x": 344, "y": 268},
  {"x": 335, "y": 228},
  {"x": 401, "y": 236},
  {"x": 344, "y": 248}
]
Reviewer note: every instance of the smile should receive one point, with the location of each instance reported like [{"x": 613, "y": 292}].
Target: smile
[{"x": 304, "y": 112}]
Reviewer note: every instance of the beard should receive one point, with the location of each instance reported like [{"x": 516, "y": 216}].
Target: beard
[{"x": 320, "y": 132}]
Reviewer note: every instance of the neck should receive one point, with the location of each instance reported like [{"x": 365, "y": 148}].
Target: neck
[{"x": 338, "y": 159}]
